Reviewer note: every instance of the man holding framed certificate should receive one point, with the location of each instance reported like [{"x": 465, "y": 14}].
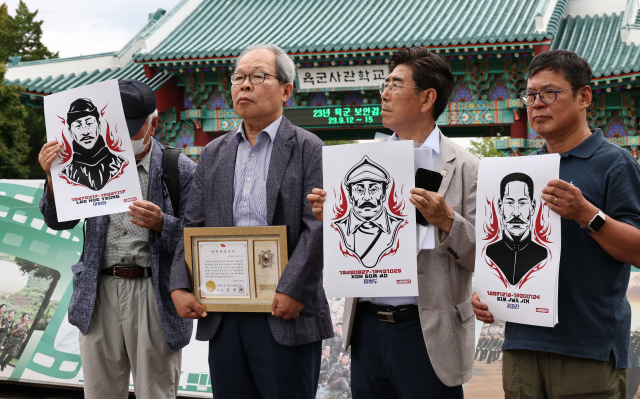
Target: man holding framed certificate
[{"x": 257, "y": 175}]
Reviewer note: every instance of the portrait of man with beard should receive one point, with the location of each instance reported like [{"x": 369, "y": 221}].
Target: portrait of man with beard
[
  {"x": 368, "y": 230},
  {"x": 516, "y": 253},
  {"x": 93, "y": 164}
]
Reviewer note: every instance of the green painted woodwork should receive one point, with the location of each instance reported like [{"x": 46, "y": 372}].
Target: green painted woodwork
[{"x": 330, "y": 26}]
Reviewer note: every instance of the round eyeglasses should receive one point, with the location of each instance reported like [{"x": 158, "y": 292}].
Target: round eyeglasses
[
  {"x": 547, "y": 96},
  {"x": 393, "y": 87},
  {"x": 256, "y": 78}
]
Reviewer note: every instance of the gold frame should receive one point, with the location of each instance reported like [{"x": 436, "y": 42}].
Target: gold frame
[{"x": 192, "y": 236}]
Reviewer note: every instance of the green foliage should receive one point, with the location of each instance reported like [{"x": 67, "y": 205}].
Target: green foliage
[
  {"x": 37, "y": 132},
  {"x": 21, "y": 34},
  {"x": 14, "y": 140},
  {"x": 22, "y": 128},
  {"x": 484, "y": 147}
]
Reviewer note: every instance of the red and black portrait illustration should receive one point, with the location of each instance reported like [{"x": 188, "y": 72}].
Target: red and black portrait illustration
[
  {"x": 515, "y": 242},
  {"x": 91, "y": 161},
  {"x": 369, "y": 216}
]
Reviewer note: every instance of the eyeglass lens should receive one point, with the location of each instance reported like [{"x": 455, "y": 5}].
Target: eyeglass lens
[
  {"x": 256, "y": 78},
  {"x": 547, "y": 96}
]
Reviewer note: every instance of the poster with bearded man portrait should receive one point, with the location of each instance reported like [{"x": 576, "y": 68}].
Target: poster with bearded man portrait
[
  {"x": 369, "y": 224},
  {"x": 517, "y": 239},
  {"x": 95, "y": 172}
]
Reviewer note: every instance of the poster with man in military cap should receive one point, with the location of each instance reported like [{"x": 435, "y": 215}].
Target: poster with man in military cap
[
  {"x": 93, "y": 173},
  {"x": 370, "y": 225}
]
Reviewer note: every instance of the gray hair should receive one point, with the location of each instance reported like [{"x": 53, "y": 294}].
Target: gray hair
[
  {"x": 285, "y": 68},
  {"x": 151, "y": 115}
]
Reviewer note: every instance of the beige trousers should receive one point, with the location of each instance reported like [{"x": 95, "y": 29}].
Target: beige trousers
[{"x": 125, "y": 335}]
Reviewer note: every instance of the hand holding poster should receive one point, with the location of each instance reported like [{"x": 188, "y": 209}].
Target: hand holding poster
[
  {"x": 369, "y": 223},
  {"x": 517, "y": 240},
  {"x": 95, "y": 171}
]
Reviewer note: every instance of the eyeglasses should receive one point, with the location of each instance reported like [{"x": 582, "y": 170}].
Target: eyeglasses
[
  {"x": 393, "y": 87},
  {"x": 256, "y": 78},
  {"x": 547, "y": 96}
]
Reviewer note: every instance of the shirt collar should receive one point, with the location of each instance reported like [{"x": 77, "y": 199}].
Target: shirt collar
[
  {"x": 380, "y": 221},
  {"x": 433, "y": 141},
  {"x": 146, "y": 160},
  {"x": 271, "y": 130},
  {"x": 583, "y": 150}
]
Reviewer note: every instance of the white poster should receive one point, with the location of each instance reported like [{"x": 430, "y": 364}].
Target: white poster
[
  {"x": 369, "y": 223},
  {"x": 517, "y": 239},
  {"x": 95, "y": 172},
  {"x": 342, "y": 76}
]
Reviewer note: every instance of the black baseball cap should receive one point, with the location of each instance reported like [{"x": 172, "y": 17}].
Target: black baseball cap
[{"x": 138, "y": 102}]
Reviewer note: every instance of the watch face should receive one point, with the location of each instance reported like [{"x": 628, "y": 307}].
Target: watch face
[{"x": 597, "y": 223}]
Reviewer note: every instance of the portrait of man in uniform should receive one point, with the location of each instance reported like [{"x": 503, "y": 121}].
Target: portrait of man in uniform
[
  {"x": 93, "y": 164},
  {"x": 368, "y": 230},
  {"x": 516, "y": 253}
]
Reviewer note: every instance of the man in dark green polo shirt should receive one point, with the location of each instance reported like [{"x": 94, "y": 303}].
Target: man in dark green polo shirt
[{"x": 598, "y": 197}]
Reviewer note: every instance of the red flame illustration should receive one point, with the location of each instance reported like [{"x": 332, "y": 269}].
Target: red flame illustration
[
  {"x": 491, "y": 225},
  {"x": 498, "y": 272},
  {"x": 67, "y": 180},
  {"x": 65, "y": 152},
  {"x": 543, "y": 226},
  {"x": 113, "y": 140},
  {"x": 340, "y": 208},
  {"x": 535, "y": 269},
  {"x": 396, "y": 203}
]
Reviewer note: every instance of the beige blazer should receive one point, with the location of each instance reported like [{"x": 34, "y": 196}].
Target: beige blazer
[{"x": 445, "y": 273}]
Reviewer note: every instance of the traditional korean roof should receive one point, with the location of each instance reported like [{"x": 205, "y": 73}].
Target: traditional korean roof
[
  {"x": 53, "y": 84},
  {"x": 598, "y": 40},
  {"x": 222, "y": 28}
]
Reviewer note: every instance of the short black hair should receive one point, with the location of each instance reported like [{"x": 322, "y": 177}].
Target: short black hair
[
  {"x": 572, "y": 67},
  {"x": 430, "y": 71},
  {"x": 338, "y": 324},
  {"x": 516, "y": 177}
]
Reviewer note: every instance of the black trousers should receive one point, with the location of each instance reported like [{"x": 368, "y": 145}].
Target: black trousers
[
  {"x": 390, "y": 360},
  {"x": 246, "y": 362}
]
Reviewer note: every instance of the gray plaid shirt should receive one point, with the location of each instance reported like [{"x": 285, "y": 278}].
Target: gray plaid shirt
[{"x": 128, "y": 244}]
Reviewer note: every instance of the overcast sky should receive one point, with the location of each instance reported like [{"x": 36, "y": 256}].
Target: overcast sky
[{"x": 83, "y": 27}]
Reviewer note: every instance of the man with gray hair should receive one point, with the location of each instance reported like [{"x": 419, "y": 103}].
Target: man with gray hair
[
  {"x": 121, "y": 302},
  {"x": 258, "y": 175}
]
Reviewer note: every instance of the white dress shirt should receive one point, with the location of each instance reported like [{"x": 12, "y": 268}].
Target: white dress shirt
[{"x": 425, "y": 155}]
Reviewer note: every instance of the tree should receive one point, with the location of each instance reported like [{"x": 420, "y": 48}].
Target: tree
[
  {"x": 484, "y": 147},
  {"x": 21, "y": 34},
  {"x": 37, "y": 132},
  {"x": 14, "y": 140}
]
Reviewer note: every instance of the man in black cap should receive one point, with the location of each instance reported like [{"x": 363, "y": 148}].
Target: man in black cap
[
  {"x": 368, "y": 230},
  {"x": 93, "y": 165},
  {"x": 121, "y": 302}
]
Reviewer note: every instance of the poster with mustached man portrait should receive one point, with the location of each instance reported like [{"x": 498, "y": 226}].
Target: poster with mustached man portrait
[
  {"x": 517, "y": 239},
  {"x": 95, "y": 172},
  {"x": 369, "y": 224}
]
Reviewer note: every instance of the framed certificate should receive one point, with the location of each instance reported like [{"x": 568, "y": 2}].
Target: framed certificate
[{"x": 235, "y": 269}]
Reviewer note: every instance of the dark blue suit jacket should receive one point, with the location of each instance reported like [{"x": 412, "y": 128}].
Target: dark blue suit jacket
[
  {"x": 86, "y": 273},
  {"x": 295, "y": 169}
]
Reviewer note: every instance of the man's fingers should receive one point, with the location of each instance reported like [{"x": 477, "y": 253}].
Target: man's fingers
[
  {"x": 319, "y": 191},
  {"x": 198, "y": 309}
]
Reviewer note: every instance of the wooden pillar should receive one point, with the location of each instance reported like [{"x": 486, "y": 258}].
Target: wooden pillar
[
  {"x": 148, "y": 71},
  {"x": 541, "y": 48},
  {"x": 519, "y": 125}
]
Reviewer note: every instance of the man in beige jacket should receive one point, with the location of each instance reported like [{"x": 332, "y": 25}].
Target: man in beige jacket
[{"x": 409, "y": 347}]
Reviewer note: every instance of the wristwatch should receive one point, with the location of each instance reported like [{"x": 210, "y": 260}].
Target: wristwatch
[{"x": 596, "y": 223}]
